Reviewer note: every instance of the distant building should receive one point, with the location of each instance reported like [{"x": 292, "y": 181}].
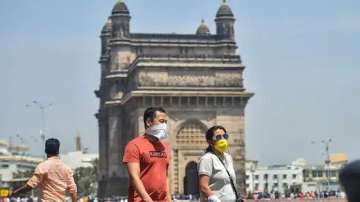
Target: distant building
[
  {"x": 4, "y": 148},
  {"x": 79, "y": 159},
  {"x": 324, "y": 177},
  {"x": 281, "y": 178},
  {"x": 338, "y": 159},
  {"x": 298, "y": 176},
  {"x": 10, "y": 165},
  {"x": 13, "y": 164}
]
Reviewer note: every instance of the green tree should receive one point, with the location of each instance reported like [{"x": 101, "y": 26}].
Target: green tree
[
  {"x": 85, "y": 179},
  {"x": 23, "y": 174}
]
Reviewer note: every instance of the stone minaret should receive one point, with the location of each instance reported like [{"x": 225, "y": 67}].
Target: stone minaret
[
  {"x": 225, "y": 22},
  {"x": 120, "y": 20},
  {"x": 78, "y": 142}
]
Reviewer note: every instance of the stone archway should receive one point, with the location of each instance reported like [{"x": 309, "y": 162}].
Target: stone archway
[
  {"x": 191, "y": 179},
  {"x": 189, "y": 145}
]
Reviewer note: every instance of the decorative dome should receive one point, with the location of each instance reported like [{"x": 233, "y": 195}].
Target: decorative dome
[
  {"x": 108, "y": 26},
  {"x": 224, "y": 10},
  {"x": 203, "y": 29},
  {"x": 120, "y": 8}
]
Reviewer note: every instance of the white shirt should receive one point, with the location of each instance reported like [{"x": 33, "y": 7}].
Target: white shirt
[{"x": 219, "y": 181}]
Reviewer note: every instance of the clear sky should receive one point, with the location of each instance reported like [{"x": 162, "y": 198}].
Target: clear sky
[{"x": 302, "y": 61}]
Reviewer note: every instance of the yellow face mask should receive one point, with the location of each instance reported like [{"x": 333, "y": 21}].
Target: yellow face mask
[{"x": 221, "y": 145}]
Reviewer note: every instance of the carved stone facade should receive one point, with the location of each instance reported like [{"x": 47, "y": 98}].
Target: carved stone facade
[{"x": 197, "y": 78}]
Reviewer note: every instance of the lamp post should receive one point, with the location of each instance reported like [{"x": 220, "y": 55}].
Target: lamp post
[
  {"x": 42, "y": 108},
  {"x": 327, "y": 142},
  {"x": 252, "y": 171}
]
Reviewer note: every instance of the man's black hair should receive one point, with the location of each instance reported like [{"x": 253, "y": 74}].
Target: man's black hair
[
  {"x": 52, "y": 146},
  {"x": 150, "y": 113}
]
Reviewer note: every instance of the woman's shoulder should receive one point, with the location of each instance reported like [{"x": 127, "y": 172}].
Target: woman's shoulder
[
  {"x": 209, "y": 155},
  {"x": 228, "y": 157},
  {"x": 206, "y": 156}
]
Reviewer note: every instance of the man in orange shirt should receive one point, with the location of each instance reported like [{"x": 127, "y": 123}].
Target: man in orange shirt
[
  {"x": 147, "y": 159},
  {"x": 53, "y": 176}
]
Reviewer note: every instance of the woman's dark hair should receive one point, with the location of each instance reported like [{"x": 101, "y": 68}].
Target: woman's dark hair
[
  {"x": 150, "y": 113},
  {"x": 52, "y": 146},
  {"x": 210, "y": 134}
]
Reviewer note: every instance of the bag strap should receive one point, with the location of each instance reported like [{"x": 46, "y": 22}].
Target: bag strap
[{"x": 231, "y": 180}]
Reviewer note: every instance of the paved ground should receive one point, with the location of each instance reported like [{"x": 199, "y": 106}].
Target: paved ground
[
  {"x": 302, "y": 200},
  {"x": 296, "y": 200}
]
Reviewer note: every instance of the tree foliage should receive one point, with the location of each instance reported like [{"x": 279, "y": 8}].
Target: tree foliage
[
  {"x": 23, "y": 174},
  {"x": 85, "y": 179}
]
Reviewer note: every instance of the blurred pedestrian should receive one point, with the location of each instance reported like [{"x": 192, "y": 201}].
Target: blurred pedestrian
[
  {"x": 216, "y": 171},
  {"x": 52, "y": 176},
  {"x": 147, "y": 159}
]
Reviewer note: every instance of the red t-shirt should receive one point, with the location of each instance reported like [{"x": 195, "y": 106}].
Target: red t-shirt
[{"x": 154, "y": 162}]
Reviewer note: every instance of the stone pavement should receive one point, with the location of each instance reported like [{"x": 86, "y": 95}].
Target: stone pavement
[
  {"x": 300, "y": 200},
  {"x": 286, "y": 200}
]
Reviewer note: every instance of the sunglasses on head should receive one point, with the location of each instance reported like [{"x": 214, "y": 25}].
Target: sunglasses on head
[{"x": 219, "y": 137}]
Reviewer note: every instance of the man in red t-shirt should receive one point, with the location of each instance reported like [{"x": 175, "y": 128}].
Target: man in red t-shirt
[{"x": 147, "y": 159}]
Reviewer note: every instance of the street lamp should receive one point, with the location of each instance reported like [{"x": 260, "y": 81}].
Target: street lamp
[
  {"x": 252, "y": 171},
  {"x": 326, "y": 142},
  {"x": 42, "y": 108}
]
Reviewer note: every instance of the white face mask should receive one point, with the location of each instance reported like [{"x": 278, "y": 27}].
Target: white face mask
[{"x": 158, "y": 131}]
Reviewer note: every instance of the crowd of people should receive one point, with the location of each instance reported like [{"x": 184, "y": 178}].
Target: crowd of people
[{"x": 299, "y": 195}]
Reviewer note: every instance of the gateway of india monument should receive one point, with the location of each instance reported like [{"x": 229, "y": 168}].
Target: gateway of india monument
[{"x": 197, "y": 78}]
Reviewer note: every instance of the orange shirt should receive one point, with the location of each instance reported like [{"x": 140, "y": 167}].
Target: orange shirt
[
  {"x": 154, "y": 162},
  {"x": 54, "y": 178}
]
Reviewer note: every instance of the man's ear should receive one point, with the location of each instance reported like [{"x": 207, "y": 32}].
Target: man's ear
[{"x": 148, "y": 123}]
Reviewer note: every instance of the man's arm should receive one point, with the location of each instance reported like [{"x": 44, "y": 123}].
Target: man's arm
[
  {"x": 134, "y": 174},
  {"x": 33, "y": 182},
  {"x": 74, "y": 197},
  {"x": 23, "y": 189}
]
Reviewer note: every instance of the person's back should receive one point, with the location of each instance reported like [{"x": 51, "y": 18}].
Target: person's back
[
  {"x": 56, "y": 179},
  {"x": 52, "y": 176}
]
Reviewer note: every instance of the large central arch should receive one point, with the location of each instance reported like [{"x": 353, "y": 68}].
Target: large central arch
[{"x": 190, "y": 145}]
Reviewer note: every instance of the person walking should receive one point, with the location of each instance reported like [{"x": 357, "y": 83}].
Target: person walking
[
  {"x": 216, "y": 171},
  {"x": 147, "y": 159},
  {"x": 53, "y": 177}
]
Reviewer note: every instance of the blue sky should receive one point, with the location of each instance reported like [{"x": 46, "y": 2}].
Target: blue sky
[{"x": 301, "y": 57}]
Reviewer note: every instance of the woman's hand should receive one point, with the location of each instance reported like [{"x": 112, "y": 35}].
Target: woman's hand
[{"x": 213, "y": 198}]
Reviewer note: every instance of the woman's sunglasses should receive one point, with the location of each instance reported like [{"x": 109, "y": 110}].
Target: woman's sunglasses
[{"x": 219, "y": 137}]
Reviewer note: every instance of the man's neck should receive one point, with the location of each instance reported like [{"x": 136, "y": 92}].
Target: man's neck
[
  {"x": 52, "y": 156},
  {"x": 152, "y": 138}
]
